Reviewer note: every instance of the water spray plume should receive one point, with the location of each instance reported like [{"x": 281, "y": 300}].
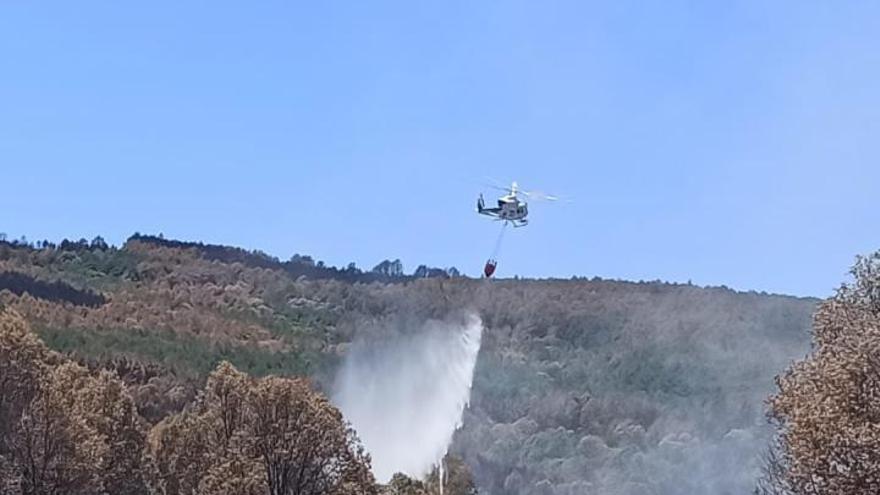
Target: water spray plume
[{"x": 405, "y": 398}]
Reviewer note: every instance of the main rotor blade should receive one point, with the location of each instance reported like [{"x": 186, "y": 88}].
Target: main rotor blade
[
  {"x": 498, "y": 188},
  {"x": 533, "y": 195},
  {"x": 538, "y": 195},
  {"x": 490, "y": 186},
  {"x": 494, "y": 184}
]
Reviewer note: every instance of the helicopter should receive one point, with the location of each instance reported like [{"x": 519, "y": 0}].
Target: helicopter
[{"x": 511, "y": 209}]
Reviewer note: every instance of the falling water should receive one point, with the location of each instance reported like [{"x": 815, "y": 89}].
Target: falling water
[
  {"x": 441, "y": 478},
  {"x": 405, "y": 398}
]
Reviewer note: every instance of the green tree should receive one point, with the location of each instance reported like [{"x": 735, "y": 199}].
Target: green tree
[{"x": 457, "y": 480}]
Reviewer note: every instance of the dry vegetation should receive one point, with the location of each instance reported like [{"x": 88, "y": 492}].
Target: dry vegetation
[
  {"x": 828, "y": 405},
  {"x": 68, "y": 430},
  {"x": 582, "y": 386}
]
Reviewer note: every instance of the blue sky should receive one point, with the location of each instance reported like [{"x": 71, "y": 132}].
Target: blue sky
[{"x": 727, "y": 143}]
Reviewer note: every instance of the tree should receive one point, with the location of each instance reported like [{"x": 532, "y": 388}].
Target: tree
[
  {"x": 64, "y": 429},
  {"x": 224, "y": 402},
  {"x": 424, "y": 271},
  {"x": 109, "y": 408},
  {"x": 23, "y": 363},
  {"x": 457, "y": 480},
  {"x": 389, "y": 268},
  {"x": 234, "y": 476},
  {"x": 302, "y": 259},
  {"x": 178, "y": 454},
  {"x": 302, "y": 441},
  {"x": 10, "y": 478},
  {"x": 84, "y": 442},
  {"x": 828, "y": 405},
  {"x": 55, "y": 447},
  {"x": 193, "y": 452},
  {"x": 99, "y": 243},
  {"x": 402, "y": 484},
  {"x": 270, "y": 435}
]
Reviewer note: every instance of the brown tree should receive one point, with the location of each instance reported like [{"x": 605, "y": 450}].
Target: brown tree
[
  {"x": 828, "y": 405},
  {"x": 302, "y": 441},
  {"x": 23, "y": 361},
  {"x": 56, "y": 448},
  {"x": 237, "y": 475},
  {"x": 195, "y": 451},
  {"x": 223, "y": 402},
  {"x": 178, "y": 454},
  {"x": 271, "y": 435},
  {"x": 65, "y": 429},
  {"x": 109, "y": 408}
]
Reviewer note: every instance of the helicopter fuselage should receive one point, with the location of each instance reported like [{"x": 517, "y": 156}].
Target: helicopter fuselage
[{"x": 509, "y": 209}]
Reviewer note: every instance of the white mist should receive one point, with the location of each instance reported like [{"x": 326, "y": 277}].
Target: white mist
[{"x": 405, "y": 398}]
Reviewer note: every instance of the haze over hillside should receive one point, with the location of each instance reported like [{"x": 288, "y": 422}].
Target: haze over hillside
[{"x": 580, "y": 386}]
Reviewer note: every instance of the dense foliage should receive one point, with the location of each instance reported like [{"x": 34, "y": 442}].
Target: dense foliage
[
  {"x": 827, "y": 406},
  {"x": 55, "y": 441},
  {"x": 19, "y": 283},
  {"x": 298, "y": 265},
  {"x": 270, "y": 435},
  {"x": 582, "y": 386},
  {"x": 66, "y": 429}
]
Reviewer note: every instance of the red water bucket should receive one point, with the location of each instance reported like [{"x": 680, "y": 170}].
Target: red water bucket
[{"x": 489, "y": 269}]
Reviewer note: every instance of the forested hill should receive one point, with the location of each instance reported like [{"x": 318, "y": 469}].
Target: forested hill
[{"x": 582, "y": 386}]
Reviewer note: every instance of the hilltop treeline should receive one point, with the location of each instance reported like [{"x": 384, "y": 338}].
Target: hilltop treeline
[{"x": 299, "y": 265}]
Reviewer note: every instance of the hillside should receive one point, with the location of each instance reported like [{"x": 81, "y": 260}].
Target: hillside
[{"x": 581, "y": 386}]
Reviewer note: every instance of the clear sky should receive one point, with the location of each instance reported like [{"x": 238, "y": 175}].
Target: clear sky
[{"x": 722, "y": 142}]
